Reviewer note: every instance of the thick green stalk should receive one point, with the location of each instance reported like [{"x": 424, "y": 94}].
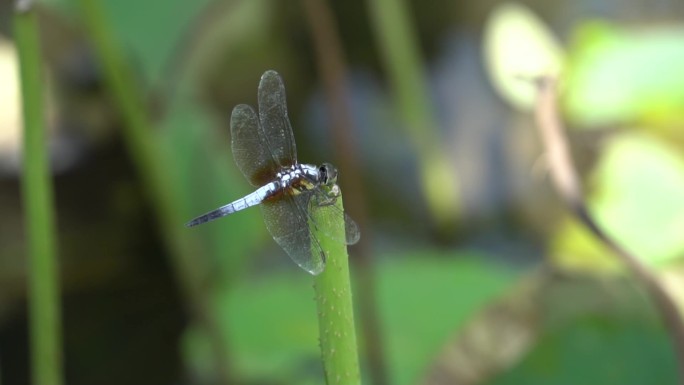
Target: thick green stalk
[
  {"x": 44, "y": 293},
  {"x": 335, "y": 310},
  {"x": 399, "y": 48}
]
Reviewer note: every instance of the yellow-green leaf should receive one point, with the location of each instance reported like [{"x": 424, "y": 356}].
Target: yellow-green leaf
[{"x": 517, "y": 45}]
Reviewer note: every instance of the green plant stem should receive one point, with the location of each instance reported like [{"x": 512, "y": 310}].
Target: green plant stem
[
  {"x": 399, "y": 48},
  {"x": 332, "y": 68},
  {"x": 143, "y": 146},
  {"x": 335, "y": 311},
  {"x": 44, "y": 293}
]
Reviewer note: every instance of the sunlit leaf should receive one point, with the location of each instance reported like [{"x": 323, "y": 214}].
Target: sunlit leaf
[
  {"x": 622, "y": 75},
  {"x": 637, "y": 195},
  {"x": 519, "y": 45}
]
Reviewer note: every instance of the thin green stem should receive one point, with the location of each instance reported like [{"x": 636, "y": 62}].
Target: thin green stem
[
  {"x": 143, "y": 146},
  {"x": 397, "y": 40},
  {"x": 44, "y": 293},
  {"x": 332, "y": 69},
  {"x": 335, "y": 310}
]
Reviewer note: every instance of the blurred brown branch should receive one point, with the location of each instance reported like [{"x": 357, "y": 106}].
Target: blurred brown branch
[{"x": 569, "y": 187}]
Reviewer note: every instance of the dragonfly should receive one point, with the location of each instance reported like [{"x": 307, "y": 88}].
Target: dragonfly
[{"x": 294, "y": 197}]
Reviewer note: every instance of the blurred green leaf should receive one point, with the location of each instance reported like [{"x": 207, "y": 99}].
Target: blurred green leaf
[
  {"x": 518, "y": 44},
  {"x": 597, "y": 350},
  {"x": 151, "y": 29},
  {"x": 625, "y": 75},
  {"x": 637, "y": 189},
  {"x": 425, "y": 298},
  {"x": 273, "y": 326},
  {"x": 593, "y": 331}
]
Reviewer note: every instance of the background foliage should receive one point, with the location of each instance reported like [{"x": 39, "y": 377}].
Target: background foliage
[{"x": 499, "y": 286}]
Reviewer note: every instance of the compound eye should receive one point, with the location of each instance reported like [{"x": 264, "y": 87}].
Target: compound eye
[
  {"x": 323, "y": 174},
  {"x": 328, "y": 174}
]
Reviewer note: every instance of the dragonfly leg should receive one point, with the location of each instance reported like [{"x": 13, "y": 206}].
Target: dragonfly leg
[{"x": 329, "y": 198}]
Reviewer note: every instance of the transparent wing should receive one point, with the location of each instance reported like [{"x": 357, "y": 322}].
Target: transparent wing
[
  {"x": 329, "y": 216},
  {"x": 274, "y": 120},
  {"x": 288, "y": 223},
  {"x": 250, "y": 150}
]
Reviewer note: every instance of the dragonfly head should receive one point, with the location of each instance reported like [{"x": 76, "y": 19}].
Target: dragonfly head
[{"x": 327, "y": 174}]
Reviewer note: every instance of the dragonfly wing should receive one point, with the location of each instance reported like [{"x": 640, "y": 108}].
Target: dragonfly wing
[
  {"x": 250, "y": 149},
  {"x": 329, "y": 216},
  {"x": 274, "y": 120},
  {"x": 288, "y": 223}
]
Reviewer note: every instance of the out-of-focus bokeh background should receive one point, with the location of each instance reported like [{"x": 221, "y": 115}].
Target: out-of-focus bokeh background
[{"x": 470, "y": 269}]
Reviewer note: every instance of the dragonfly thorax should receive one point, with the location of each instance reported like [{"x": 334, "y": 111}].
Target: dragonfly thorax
[
  {"x": 303, "y": 177},
  {"x": 298, "y": 176}
]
